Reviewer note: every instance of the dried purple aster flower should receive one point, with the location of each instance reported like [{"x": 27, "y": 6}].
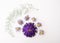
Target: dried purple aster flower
[{"x": 29, "y": 29}]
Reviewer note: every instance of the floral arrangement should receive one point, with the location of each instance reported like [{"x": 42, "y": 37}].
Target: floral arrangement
[{"x": 29, "y": 29}]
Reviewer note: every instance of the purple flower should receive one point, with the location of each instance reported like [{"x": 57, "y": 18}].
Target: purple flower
[{"x": 29, "y": 29}]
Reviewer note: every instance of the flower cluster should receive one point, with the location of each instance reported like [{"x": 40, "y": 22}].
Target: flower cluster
[{"x": 30, "y": 29}]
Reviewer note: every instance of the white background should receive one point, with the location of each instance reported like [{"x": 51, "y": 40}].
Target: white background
[{"x": 49, "y": 13}]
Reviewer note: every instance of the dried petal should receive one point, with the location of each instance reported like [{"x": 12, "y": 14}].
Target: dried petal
[
  {"x": 27, "y": 17},
  {"x": 33, "y": 19},
  {"x": 41, "y": 32},
  {"x": 18, "y": 28},
  {"x": 20, "y": 22},
  {"x": 39, "y": 24}
]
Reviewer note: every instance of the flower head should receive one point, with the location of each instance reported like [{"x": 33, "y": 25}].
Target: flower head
[{"x": 29, "y": 29}]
